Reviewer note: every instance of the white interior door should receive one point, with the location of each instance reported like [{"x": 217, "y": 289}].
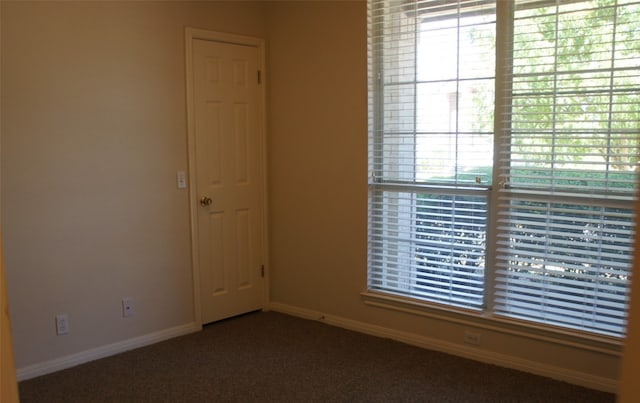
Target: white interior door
[{"x": 229, "y": 180}]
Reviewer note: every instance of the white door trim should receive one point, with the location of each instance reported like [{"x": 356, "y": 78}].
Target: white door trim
[{"x": 190, "y": 35}]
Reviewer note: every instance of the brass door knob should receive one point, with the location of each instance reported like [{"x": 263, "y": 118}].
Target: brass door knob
[{"x": 205, "y": 201}]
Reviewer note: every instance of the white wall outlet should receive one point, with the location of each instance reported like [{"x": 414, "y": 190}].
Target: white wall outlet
[
  {"x": 127, "y": 307},
  {"x": 62, "y": 324},
  {"x": 472, "y": 338}
]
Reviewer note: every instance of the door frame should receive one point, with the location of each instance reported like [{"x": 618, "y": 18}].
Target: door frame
[{"x": 192, "y": 34}]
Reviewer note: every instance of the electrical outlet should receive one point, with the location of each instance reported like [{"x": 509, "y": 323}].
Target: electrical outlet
[
  {"x": 62, "y": 324},
  {"x": 127, "y": 307},
  {"x": 472, "y": 338}
]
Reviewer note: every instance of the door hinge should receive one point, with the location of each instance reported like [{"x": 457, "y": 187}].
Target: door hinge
[
  {"x": 262, "y": 270},
  {"x": 259, "y": 77}
]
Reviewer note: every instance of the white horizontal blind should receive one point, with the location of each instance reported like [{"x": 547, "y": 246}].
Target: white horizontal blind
[
  {"x": 565, "y": 226},
  {"x": 432, "y": 68},
  {"x": 433, "y": 87},
  {"x": 429, "y": 246}
]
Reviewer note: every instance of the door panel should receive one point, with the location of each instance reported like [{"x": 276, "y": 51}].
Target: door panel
[{"x": 228, "y": 160}]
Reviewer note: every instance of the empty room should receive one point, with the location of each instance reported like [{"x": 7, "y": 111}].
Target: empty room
[{"x": 383, "y": 200}]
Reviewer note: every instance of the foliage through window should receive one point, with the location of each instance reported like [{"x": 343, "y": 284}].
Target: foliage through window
[{"x": 503, "y": 153}]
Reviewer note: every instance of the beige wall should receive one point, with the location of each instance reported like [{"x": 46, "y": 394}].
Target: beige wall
[
  {"x": 317, "y": 109},
  {"x": 318, "y": 199},
  {"x": 8, "y": 385},
  {"x": 94, "y": 130}
]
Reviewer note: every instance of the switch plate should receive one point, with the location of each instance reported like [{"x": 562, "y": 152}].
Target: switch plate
[{"x": 181, "y": 178}]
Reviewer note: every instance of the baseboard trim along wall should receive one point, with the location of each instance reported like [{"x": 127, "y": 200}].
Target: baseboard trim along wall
[
  {"x": 58, "y": 364},
  {"x": 562, "y": 374}
]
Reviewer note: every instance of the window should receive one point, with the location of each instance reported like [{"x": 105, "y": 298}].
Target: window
[{"x": 503, "y": 152}]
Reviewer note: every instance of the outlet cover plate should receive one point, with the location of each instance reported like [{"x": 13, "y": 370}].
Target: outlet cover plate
[{"x": 127, "y": 307}]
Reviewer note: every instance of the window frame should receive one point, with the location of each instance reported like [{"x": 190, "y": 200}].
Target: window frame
[{"x": 502, "y": 130}]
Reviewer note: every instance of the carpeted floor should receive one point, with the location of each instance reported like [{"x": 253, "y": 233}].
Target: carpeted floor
[{"x": 271, "y": 357}]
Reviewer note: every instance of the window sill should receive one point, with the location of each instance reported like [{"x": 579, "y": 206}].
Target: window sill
[{"x": 576, "y": 339}]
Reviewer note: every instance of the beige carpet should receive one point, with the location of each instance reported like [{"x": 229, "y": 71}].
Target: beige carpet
[{"x": 271, "y": 357}]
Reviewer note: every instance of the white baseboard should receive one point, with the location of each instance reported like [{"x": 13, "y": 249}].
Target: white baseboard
[
  {"x": 562, "y": 374},
  {"x": 57, "y": 364}
]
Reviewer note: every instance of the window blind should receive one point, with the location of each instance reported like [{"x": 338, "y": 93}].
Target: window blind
[
  {"x": 431, "y": 96},
  {"x": 569, "y": 165},
  {"x": 432, "y": 91},
  {"x": 429, "y": 246},
  {"x": 518, "y": 203}
]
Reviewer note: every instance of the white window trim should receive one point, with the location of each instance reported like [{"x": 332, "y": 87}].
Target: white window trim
[{"x": 593, "y": 342}]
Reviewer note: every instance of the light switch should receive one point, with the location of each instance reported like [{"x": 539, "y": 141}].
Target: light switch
[{"x": 182, "y": 180}]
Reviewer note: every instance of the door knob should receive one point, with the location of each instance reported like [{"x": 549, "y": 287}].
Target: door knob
[{"x": 205, "y": 201}]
